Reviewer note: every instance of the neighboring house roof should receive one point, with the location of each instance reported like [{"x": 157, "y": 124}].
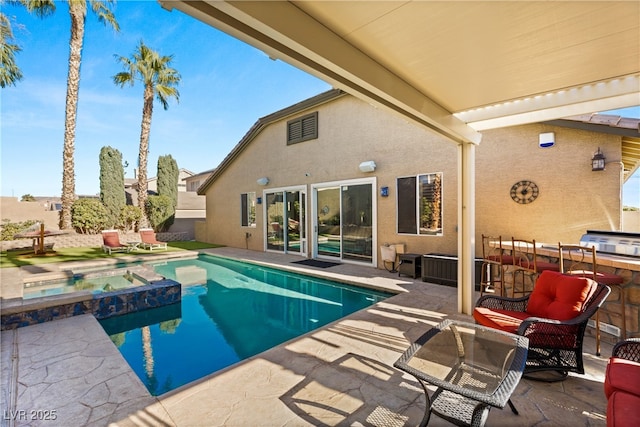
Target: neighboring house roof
[
  {"x": 133, "y": 182},
  {"x": 264, "y": 122},
  {"x": 186, "y": 171},
  {"x": 200, "y": 174},
  {"x": 181, "y": 171},
  {"x": 626, "y": 127}
]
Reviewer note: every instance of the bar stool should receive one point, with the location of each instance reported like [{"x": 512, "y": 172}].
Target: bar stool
[
  {"x": 493, "y": 257},
  {"x": 526, "y": 262},
  {"x": 577, "y": 256}
]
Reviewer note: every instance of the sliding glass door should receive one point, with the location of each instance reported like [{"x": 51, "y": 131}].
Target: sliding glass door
[
  {"x": 344, "y": 221},
  {"x": 328, "y": 242},
  {"x": 286, "y": 222}
]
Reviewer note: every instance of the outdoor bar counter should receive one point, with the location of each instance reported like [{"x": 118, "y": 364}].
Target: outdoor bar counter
[{"x": 628, "y": 267}]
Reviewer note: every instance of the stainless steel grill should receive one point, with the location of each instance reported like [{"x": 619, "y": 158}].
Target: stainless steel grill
[{"x": 613, "y": 242}]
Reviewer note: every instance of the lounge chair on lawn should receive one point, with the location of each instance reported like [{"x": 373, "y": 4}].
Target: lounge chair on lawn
[
  {"x": 111, "y": 242},
  {"x": 149, "y": 241}
]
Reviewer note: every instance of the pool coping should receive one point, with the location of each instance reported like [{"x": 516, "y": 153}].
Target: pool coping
[{"x": 373, "y": 283}]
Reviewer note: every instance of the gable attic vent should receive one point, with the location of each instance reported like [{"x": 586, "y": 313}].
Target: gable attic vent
[{"x": 302, "y": 128}]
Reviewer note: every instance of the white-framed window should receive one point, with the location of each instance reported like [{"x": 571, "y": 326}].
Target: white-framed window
[
  {"x": 248, "y": 209},
  {"x": 419, "y": 204}
]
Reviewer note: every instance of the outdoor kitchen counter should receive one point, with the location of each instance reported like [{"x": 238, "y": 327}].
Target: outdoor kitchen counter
[
  {"x": 609, "y": 260},
  {"x": 617, "y": 261}
]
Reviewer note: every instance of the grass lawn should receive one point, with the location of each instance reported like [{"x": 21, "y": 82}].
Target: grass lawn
[{"x": 22, "y": 258}]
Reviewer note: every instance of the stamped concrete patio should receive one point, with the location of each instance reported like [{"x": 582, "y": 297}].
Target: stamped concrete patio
[{"x": 70, "y": 372}]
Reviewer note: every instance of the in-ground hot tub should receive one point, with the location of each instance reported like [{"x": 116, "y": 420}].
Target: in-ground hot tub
[
  {"x": 103, "y": 300},
  {"x": 93, "y": 282}
]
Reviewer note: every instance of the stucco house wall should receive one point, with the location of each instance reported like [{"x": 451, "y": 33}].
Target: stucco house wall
[{"x": 572, "y": 198}]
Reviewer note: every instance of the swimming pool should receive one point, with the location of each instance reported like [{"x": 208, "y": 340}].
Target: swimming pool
[{"x": 231, "y": 311}]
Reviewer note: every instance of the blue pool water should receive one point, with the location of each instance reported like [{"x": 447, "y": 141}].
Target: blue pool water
[{"x": 230, "y": 311}]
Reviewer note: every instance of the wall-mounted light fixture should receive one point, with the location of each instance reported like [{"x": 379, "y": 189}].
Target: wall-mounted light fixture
[
  {"x": 597, "y": 161},
  {"x": 263, "y": 181},
  {"x": 368, "y": 166}
]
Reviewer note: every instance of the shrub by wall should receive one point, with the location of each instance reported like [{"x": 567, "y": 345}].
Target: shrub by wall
[
  {"x": 168, "y": 175},
  {"x": 160, "y": 212},
  {"x": 129, "y": 216},
  {"x": 112, "y": 184},
  {"x": 88, "y": 216},
  {"x": 9, "y": 229}
]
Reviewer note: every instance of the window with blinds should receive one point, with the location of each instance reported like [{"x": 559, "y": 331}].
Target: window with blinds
[
  {"x": 248, "y": 209},
  {"x": 419, "y": 209},
  {"x": 302, "y": 128}
]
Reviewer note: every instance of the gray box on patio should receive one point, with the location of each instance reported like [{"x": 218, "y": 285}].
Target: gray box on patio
[{"x": 443, "y": 269}]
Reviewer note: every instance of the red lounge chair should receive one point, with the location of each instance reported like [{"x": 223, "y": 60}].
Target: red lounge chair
[
  {"x": 149, "y": 241},
  {"x": 111, "y": 242},
  {"x": 554, "y": 318}
]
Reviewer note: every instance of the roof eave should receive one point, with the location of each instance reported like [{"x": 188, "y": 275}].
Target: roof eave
[{"x": 263, "y": 122}]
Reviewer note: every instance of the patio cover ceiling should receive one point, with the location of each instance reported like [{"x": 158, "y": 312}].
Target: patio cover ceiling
[{"x": 455, "y": 67}]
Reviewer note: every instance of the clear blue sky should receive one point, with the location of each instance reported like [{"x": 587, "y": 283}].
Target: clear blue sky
[{"x": 226, "y": 87}]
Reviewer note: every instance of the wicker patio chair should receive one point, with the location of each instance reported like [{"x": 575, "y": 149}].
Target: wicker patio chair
[
  {"x": 554, "y": 317},
  {"x": 628, "y": 349},
  {"x": 622, "y": 384}
]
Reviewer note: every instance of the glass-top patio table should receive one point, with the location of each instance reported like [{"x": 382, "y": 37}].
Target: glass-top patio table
[{"x": 472, "y": 367}]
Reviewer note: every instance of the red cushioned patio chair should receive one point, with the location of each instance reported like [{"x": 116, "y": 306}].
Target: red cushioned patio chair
[
  {"x": 622, "y": 384},
  {"x": 554, "y": 317},
  {"x": 111, "y": 242},
  {"x": 149, "y": 241}
]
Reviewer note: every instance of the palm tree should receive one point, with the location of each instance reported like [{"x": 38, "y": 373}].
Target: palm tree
[
  {"x": 78, "y": 12},
  {"x": 147, "y": 352},
  {"x": 9, "y": 71},
  {"x": 159, "y": 79}
]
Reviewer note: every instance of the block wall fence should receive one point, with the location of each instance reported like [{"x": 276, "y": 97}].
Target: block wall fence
[{"x": 74, "y": 240}]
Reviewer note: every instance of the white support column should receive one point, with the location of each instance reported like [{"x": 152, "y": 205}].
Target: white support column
[{"x": 466, "y": 226}]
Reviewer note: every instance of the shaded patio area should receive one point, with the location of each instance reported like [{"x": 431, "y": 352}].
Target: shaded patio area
[{"x": 341, "y": 374}]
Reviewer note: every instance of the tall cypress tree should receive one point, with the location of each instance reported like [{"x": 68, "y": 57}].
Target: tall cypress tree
[
  {"x": 112, "y": 183},
  {"x": 168, "y": 175}
]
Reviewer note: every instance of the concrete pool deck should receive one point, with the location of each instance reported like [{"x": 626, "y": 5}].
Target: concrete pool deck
[{"x": 341, "y": 374}]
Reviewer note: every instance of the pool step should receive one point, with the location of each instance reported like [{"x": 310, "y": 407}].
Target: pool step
[{"x": 145, "y": 273}]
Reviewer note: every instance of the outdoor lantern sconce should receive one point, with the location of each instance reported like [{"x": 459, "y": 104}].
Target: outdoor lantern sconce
[
  {"x": 368, "y": 166},
  {"x": 597, "y": 161},
  {"x": 263, "y": 181}
]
